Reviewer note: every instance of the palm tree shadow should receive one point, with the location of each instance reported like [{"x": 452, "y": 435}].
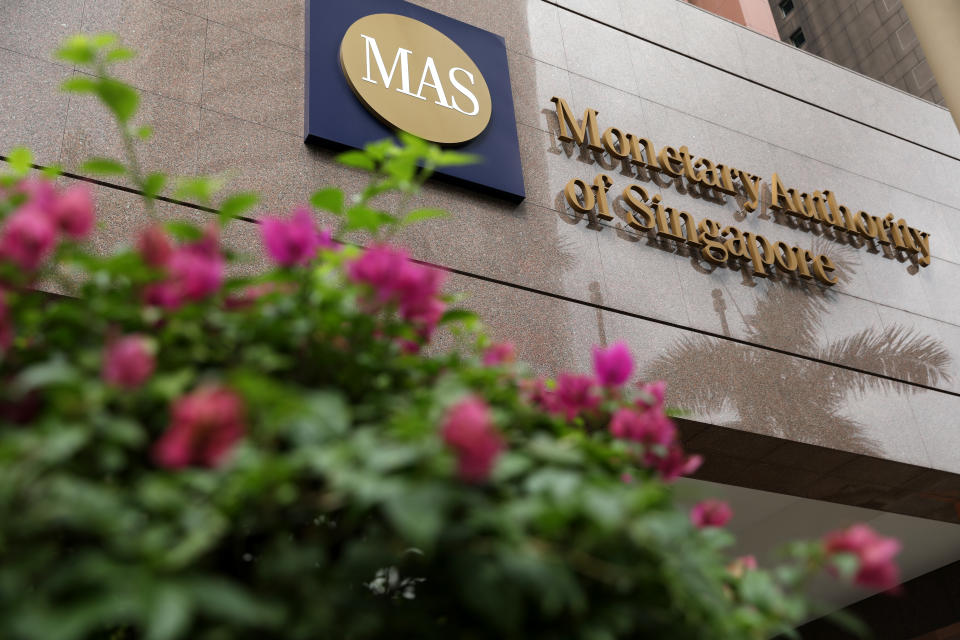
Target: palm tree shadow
[{"x": 795, "y": 398}]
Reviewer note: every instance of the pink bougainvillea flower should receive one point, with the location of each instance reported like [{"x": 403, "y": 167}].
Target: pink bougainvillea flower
[
  {"x": 499, "y": 353},
  {"x": 575, "y": 394},
  {"x": 672, "y": 464},
  {"x": 205, "y": 426},
  {"x": 416, "y": 284},
  {"x": 710, "y": 513},
  {"x": 612, "y": 365},
  {"x": 379, "y": 267},
  {"x": 294, "y": 241},
  {"x": 40, "y": 193},
  {"x": 469, "y": 430},
  {"x": 128, "y": 362},
  {"x": 28, "y": 237},
  {"x": 538, "y": 394},
  {"x": 425, "y": 317},
  {"x": 741, "y": 565},
  {"x": 73, "y": 211},
  {"x": 6, "y": 324},
  {"x": 197, "y": 273},
  {"x": 649, "y": 427},
  {"x": 154, "y": 246},
  {"x": 877, "y": 569},
  {"x": 652, "y": 394},
  {"x": 194, "y": 272},
  {"x": 327, "y": 241}
]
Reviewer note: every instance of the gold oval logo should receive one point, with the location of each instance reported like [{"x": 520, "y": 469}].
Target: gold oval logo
[{"x": 415, "y": 78}]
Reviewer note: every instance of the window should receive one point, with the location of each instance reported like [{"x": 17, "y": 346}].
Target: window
[
  {"x": 786, "y": 6},
  {"x": 797, "y": 38}
]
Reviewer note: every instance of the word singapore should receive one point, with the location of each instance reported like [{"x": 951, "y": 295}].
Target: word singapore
[{"x": 719, "y": 243}]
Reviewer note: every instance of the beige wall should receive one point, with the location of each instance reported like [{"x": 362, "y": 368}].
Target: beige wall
[{"x": 774, "y": 400}]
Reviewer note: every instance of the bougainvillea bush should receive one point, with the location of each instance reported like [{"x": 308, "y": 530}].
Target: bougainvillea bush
[{"x": 189, "y": 454}]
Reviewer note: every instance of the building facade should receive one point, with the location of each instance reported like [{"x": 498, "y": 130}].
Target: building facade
[
  {"x": 817, "y": 401},
  {"x": 873, "y": 37}
]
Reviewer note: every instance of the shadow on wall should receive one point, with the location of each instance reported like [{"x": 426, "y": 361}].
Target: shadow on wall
[{"x": 801, "y": 400}]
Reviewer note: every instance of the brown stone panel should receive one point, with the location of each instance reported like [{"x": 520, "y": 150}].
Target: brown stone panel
[
  {"x": 279, "y": 20},
  {"x": 253, "y": 78},
  {"x": 169, "y": 45},
  {"x": 32, "y": 110},
  {"x": 37, "y": 27}
]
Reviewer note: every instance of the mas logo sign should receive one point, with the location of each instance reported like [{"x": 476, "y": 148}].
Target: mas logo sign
[{"x": 376, "y": 66}]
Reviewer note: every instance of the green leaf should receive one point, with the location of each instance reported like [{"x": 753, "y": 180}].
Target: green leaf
[
  {"x": 357, "y": 159},
  {"x": 103, "y": 167},
  {"x": 184, "y": 231},
  {"x": 362, "y": 217},
  {"x": 144, "y": 133},
  {"x": 455, "y": 158},
  {"x": 52, "y": 172},
  {"x": 198, "y": 188},
  {"x": 419, "y": 215},
  {"x": 104, "y": 40},
  {"x": 20, "y": 160},
  {"x": 846, "y": 565},
  {"x": 236, "y": 205},
  {"x": 119, "y": 54},
  {"x": 417, "y": 513},
  {"x": 78, "y": 49},
  {"x": 458, "y": 315},
  {"x": 119, "y": 97},
  {"x": 54, "y": 371},
  {"x": 79, "y": 84},
  {"x": 329, "y": 199},
  {"x": 222, "y": 599},
  {"x": 169, "y": 613},
  {"x": 153, "y": 184}
]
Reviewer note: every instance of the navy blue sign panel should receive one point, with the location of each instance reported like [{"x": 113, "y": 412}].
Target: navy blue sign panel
[{"x": 335, "y": 116}]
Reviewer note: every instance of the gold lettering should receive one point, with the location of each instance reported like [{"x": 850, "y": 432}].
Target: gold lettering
[
  {"x": 736, "y": 245},
  {"x": 807, "y": 205},
  {"x": 646, "y": 158},
  {"x": 754, "y": 244},
  {"x": 588, "y": 133},
  {"x": 785, "y": 259},
  {"x": 881, "y": 225},
  {"x": 667, "y": 156},
  {"x": 751, "y": 184},
  {"x": 726, "y": 179},
  {"x": 923, "y": 241},
  {"x": 802, "y": 256},
  {"x": 600, "y": 186},
  {"x": 709, "y": 174},
  {"x": 709, "y": 235},
  {"x": 780, "y": 197},
  {"x": 639, "y": 206},
  {"x": 865, "y": 224},
  {"x": 570, "y": 191},
  {"x": 821, "y": 266},
  {"x": 842, "y": 216},
  {"x": 621, "y": 149},
  {"x": 687, "y": 160},
  {"x": 674, "y": 230},
  {"x": 900, "y": 234}
]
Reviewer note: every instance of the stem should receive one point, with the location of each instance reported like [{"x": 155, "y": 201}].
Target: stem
[{"x": 130, "y": 152}]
